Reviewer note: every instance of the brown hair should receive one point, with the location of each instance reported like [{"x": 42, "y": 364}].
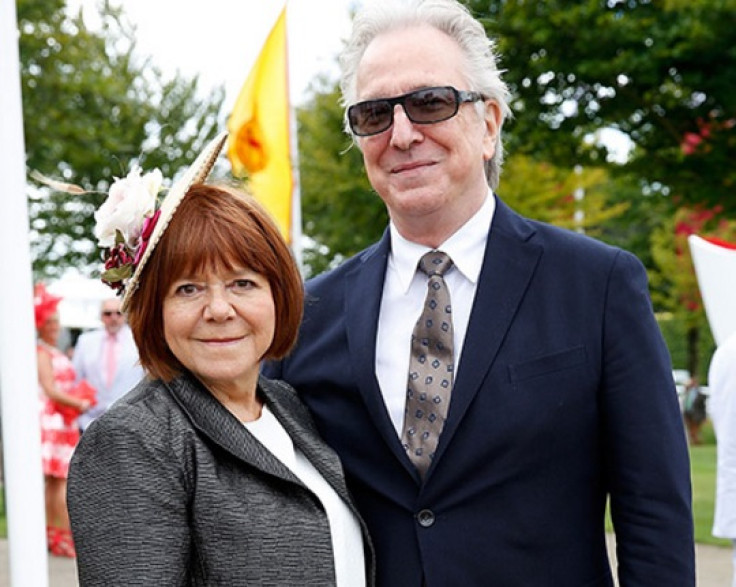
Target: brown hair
[{"x": 214, "y": 227}]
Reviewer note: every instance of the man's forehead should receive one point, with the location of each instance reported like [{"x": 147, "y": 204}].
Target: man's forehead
[{"x": 113, "y": 305}]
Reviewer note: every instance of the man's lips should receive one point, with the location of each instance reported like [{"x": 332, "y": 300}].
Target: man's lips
[{"x": 404, "y": 167}]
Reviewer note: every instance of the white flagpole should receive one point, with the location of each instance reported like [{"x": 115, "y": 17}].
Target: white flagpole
[
  {"x": 18, "y": 375},
  {"x": 296, "y": 200}
]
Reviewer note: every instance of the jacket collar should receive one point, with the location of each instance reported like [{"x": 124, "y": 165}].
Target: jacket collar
[{"x": 209, "y": 417}]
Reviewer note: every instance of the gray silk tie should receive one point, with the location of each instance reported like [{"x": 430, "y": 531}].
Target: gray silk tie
[{"x": 431, "y": 366}]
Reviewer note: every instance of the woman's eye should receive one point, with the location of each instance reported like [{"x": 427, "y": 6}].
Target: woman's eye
[
  {"x": 186, "y": 289},
  {"x": 243, "y": 284}
]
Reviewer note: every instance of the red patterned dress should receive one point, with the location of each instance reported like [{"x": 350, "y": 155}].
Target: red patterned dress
[{"x": 58, "y": 437}]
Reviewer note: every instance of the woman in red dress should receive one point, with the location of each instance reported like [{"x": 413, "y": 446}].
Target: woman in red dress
[{"x": 59, "y": 409}]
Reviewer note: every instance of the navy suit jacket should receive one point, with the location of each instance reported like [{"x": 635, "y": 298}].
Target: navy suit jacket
[{"x": 563, "y": 397}]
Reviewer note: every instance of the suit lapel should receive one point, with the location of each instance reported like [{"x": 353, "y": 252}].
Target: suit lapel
[
  {"x": 363, "y": 291},
  {"x": 508, "y": 266}
]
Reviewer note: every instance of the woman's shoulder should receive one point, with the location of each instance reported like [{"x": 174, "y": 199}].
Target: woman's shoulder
[
  {"x": 145, "y": 421},
  {"x": 146, "y": 409}
]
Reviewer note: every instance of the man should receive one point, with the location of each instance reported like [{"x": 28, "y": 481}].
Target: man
[
  {"x": 108, "y": 359},
  {"x": 563, "y": 394},
  {"x": 722, "y": 385}
]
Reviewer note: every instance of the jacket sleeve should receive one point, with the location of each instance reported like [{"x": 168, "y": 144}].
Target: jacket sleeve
[
  {"x": 127, "y": 502},
  {"x": 644, "y": 446}
]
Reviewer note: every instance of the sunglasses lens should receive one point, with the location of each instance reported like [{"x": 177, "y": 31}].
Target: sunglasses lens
[
  {"x": 423, "y": 106},
  {"x": 431, "y": 105},
  {"x": 369, "y": 118}
]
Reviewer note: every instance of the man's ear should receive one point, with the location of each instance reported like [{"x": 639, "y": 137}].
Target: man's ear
[{"x": 492, "y": 119}]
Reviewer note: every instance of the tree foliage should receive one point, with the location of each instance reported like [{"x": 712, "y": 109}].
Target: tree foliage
[
  {"x": 92, "y": 107},
  {"x": 341, "y": 212},
  {"x": 576, "y": 199},
  {"x": 675, "y": 283},
  {"x": 661, "y": 72}
]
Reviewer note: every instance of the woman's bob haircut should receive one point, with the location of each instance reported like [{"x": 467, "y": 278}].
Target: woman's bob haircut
[{"x": 215, "y": 227}]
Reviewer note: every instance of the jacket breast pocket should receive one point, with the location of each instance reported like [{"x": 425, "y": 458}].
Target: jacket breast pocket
[{"x": 547, "y": 365}]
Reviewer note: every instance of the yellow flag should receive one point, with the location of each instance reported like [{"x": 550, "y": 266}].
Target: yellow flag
[{"x": 259, "y": 129}]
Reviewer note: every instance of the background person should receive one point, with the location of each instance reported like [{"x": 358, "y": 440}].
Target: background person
[
  {"x": 557, "y": 379},
  {"x": 60, "y": 406},
  {"x": 694, "y": 411},
  {"x": 108, "y": 358},
  {"x": 722, "y": 385},
  {"x": 207, "y": 473}
]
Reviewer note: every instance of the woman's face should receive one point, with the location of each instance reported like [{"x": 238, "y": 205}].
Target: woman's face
[
  {"x": 219, "y": 325},
  {"x": 49, "y": 332}
]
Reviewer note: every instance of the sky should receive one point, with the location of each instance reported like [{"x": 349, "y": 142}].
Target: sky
[{"x": 220, "y": 39}]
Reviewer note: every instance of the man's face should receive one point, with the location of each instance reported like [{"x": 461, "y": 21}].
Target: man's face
[
  {"x": 427, "y": 174},
  {"x": 112, "y": 317}
]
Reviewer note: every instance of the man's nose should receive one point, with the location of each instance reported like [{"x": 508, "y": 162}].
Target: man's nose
[{"x": 403, "y": 131}]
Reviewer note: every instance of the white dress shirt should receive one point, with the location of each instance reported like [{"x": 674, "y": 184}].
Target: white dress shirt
[{"x": 404, "y": 291}]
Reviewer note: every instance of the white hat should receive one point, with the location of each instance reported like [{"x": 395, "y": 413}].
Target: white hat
[{"x": 132, "y": 251}]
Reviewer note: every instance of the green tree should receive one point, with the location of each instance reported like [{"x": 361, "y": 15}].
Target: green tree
[
  {"x": 341, "y": 212},
  {"x": 661, "y": 72},
  {"x": 675, "y": 283},
  {"x": 576, "y": 199},
  {"x": 92, "y": 107}
]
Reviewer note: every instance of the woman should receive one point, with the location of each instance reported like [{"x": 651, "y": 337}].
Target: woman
[
  {"x": 207, "y": 473},
  {"x": 59, "y": 430}
]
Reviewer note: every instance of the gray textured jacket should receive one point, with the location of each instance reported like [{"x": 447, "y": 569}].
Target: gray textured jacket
[{"x": 168, "y": 488}]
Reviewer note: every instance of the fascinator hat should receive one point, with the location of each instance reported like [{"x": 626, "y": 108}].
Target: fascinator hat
[
  {"x": 44, "y": 304},
  {"x": 130, "y": 223}
]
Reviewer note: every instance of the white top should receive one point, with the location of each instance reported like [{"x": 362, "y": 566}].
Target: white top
[
  {"x": 347, "y": 539},
  {"x": 404, "y": 291},
  {"x": 722, "y": 408}
]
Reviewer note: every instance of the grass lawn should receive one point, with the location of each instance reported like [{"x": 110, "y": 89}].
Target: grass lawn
[
  {"x": 703, "y": 470},
  {"x": 703, "y": 467}
]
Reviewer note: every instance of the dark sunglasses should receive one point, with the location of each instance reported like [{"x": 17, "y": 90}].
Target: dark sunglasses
[
  {"x": 425, "y": 106},
  {"x": 108, "y": 313}
]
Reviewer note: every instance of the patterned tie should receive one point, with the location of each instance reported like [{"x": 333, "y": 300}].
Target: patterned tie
[
  {"x": 431, "y": 366},
  {"x": 111, "y": 358}
]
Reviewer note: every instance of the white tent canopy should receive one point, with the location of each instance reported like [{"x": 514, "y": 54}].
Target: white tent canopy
[
  {"x": 81, "y": 299},
  {"x": 715, "y": 268}
]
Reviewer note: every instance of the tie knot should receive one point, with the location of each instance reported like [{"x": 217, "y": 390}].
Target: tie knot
[{"x": 435, "y": 263}]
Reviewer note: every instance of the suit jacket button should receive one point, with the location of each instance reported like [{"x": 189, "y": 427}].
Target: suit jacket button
[{"x": 425, "y": 518}]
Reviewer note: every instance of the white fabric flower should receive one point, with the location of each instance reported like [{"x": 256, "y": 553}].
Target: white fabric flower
[{"x": 130, "y": 200}]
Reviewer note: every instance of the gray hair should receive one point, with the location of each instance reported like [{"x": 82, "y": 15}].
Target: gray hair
[{"x": 448, "y": 16}]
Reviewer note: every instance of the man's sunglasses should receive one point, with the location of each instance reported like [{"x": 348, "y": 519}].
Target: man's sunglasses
[
  {"x": 425, "y": 106},
  {"x": 108, "y": 313}
]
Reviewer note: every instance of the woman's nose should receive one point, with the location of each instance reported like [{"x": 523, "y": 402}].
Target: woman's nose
[{"x": 218, "y": 306}]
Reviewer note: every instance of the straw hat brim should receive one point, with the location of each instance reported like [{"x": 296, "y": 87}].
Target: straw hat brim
[{"x": 196, "y": 173}]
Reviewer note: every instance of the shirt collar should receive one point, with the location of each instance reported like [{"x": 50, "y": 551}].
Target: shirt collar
[{"x": 466, "y": 247}]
